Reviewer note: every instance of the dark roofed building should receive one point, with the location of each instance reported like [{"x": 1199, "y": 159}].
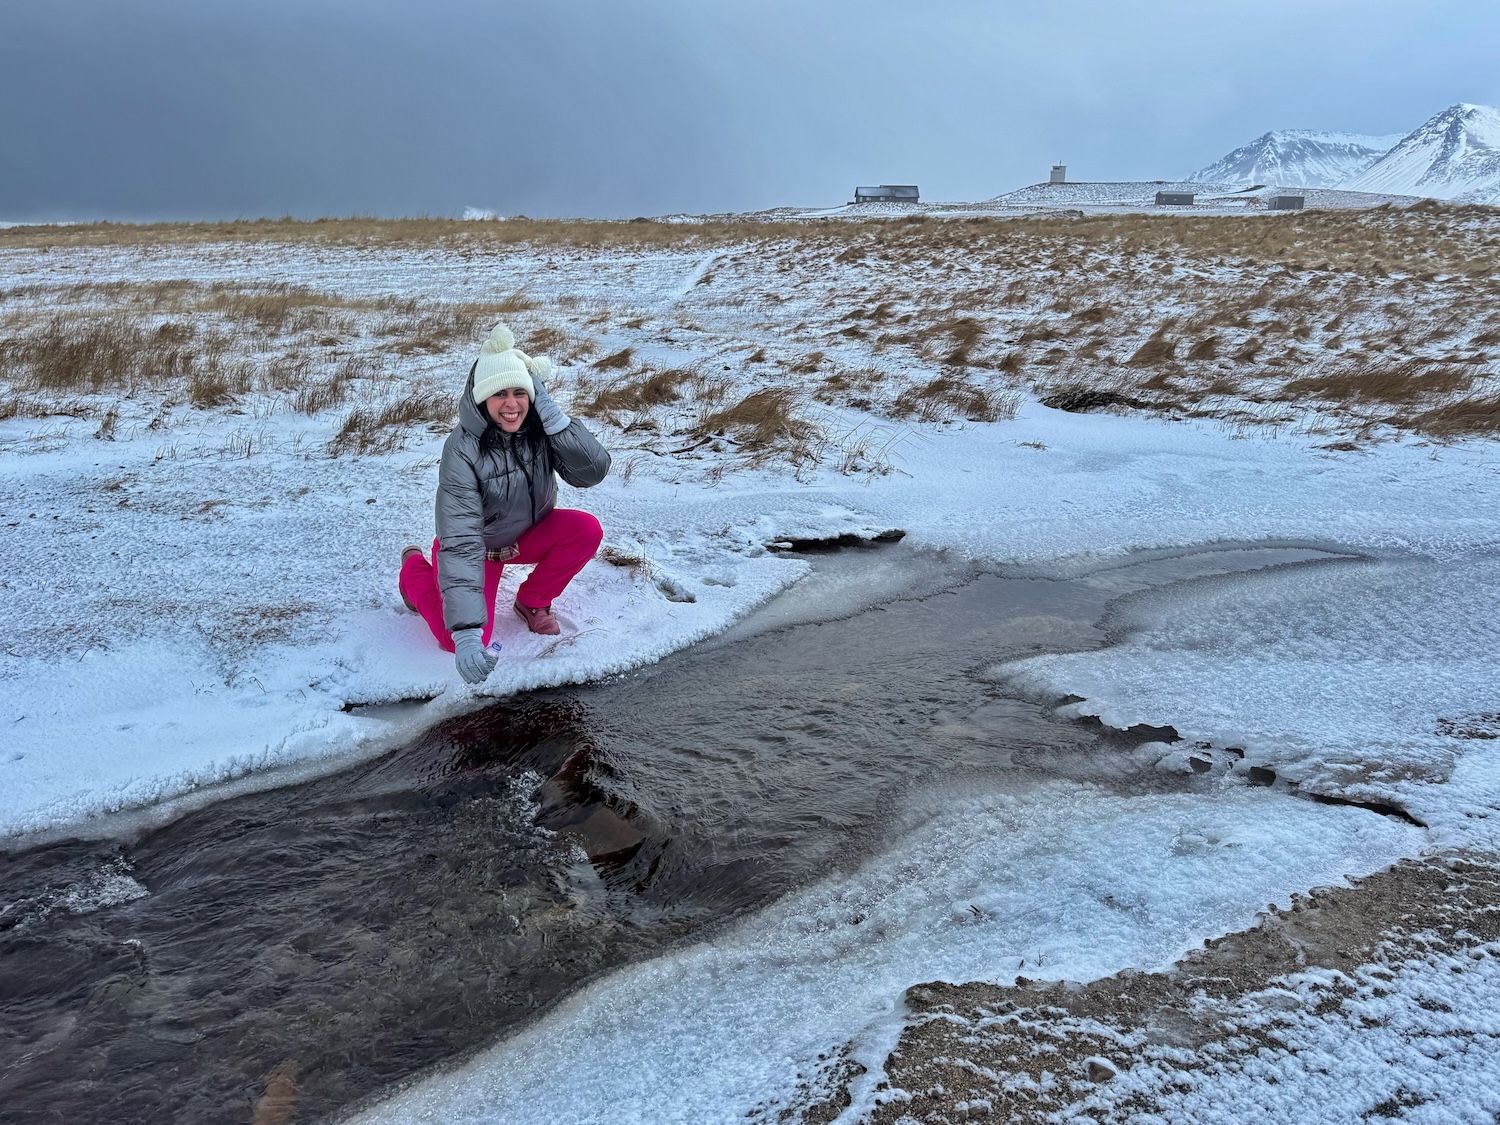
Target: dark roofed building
[
  {"x": 1174, "y": 199},
  {"x": 887, "y": 193}
]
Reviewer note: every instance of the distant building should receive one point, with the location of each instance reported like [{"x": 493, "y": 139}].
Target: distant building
[
  {"x": 1059, "y": 174},
  {"x": 887, "y": 193},
  {"x": 1174, "y": 199},
  {"x": 1287, "y": 202}
]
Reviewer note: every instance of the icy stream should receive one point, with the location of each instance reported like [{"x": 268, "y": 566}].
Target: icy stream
[{"x": 325, "y": 940}]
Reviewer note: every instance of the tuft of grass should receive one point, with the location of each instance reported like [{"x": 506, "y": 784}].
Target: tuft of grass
[
  {"x": 964, "y": 333},
  {"x": 277, "y": 308},
  {"x": 549, "y": 340},
  {"x": 431, "y": 329},
  {"x": 951, "y": 395},
  {"x": 807, "y": 364},
  {"x": 615, "y": 360},
  {"x": 313, "y": 398},
  {"x": 633, "y": 561},
  {"x": 640, "y": 391},
  {"x": 1471, "y": 417},
  {"x": 1248, "y": 350},
  {"x": 1158, "y": 348},
  {"x": 1400, "y": 384},
  {"x": 383, "y": 429},
  {"x": 763, "y": 424},
  {"x": 72, "y": 352},
  {"x": 1206, "y": 348},
  {"x": 208, "y": 387},
  {"x": 1039, "y": 332}
]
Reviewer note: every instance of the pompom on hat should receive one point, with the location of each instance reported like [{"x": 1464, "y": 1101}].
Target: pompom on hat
[{"x": 502, "y": 366}]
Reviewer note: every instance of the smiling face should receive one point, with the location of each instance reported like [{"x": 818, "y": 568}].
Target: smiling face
[{"x": 508, "y": 408}]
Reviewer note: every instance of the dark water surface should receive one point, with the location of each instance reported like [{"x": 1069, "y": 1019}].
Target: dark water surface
[{"x": 281, "y": 955}]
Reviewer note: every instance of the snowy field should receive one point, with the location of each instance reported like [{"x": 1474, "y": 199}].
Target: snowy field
[{"x": 199, "y": 588}]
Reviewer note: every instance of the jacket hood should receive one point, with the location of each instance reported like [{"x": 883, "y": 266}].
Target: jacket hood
[{"x": 470, "y": 417}]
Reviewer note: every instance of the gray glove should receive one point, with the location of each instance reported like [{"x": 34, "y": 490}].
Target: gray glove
[
  {"x": 475, "y": 662},
  {"x": 554, "y": 421}
]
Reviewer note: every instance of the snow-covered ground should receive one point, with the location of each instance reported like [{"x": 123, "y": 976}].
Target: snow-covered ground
[
  {"x": 1129, "y": 197},
  {"x": 197, "y": 604}
]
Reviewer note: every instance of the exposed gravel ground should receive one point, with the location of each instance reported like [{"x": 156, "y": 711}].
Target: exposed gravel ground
[{"x": 1323, "y": 999}]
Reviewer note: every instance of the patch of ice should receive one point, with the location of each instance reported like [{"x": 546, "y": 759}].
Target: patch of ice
[
  {"x": 1064, "y": 881},
  {"x": 1352, "y": 678}
]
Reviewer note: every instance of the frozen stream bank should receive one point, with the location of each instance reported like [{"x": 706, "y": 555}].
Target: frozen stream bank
[{"x": 894, "y": 812}]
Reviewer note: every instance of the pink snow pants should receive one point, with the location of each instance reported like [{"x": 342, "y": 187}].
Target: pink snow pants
[{"x": 559, "y": 544}]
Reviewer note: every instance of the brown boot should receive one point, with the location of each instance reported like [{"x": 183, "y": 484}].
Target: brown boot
[
  {"x": 406, "y": 553},
  {"x": 538, "y": 619}
]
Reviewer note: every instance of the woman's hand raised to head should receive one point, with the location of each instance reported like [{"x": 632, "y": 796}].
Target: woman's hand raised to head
[{"x": 554, "y": 421}]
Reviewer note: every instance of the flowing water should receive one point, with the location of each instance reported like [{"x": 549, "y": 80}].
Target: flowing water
[{"x": 280, "y": 955}]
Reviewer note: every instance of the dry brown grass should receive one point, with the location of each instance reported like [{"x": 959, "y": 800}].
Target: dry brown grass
[
  {"x": 213, "y": 344},
  {"x": 1465, "y": 418},
  {"x": 640, "y": 391},
  {"x": 273, "y": 308},
  {"x": 1268, "y": 317},
  {"x": 1400, "y": 384},
  {"x": 1423, "y": 241},
  {"x": 953, "y": 395},
  {"x": 426, "y": 328},
  {"x": 1158, "y": 348},
  {"x": 384, "y": 428},
  {"x": 89, "y": 354},
  {"x": 857, "y": 388},
  {"x": 807, "y": 364},
  {"x": 615, "y": 360},
  {"x": 541, "y": 338},
  {"x": 1206, "y": 348},
  {"x": 316, "y": 397},
  {"x": 764, "y": 424},
  {"x": 1248, "y": 350}
]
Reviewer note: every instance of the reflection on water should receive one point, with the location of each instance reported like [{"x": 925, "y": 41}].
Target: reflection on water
[{"x": 281, "y": 955}]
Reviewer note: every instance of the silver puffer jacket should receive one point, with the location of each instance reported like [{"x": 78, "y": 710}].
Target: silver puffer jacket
[{"x": 485, "y": 500}]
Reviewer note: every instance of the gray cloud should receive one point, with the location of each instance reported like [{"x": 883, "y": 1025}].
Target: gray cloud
[{"x": 175, "y": 108}]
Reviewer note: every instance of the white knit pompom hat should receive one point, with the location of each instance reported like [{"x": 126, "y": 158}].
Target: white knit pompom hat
[{"x": 502, "y": 366}]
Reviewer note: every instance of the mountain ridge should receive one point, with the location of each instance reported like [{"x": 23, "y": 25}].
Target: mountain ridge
[
  {"x": 1298, "y": 158},
  {"x": 1453, "y": 155}
]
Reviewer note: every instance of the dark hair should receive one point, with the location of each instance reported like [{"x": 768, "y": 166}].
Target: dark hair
[
  {"x": 528, "y": 444},
  {"x": 530, "y": 438}
]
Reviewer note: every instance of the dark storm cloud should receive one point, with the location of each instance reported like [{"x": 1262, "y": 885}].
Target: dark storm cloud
[{"x": 182, "y": 108}]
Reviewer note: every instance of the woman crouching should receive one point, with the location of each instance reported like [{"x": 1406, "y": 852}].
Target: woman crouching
[{"x": 496, "y": 502}]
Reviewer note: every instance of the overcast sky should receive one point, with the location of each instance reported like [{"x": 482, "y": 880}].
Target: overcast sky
[{"x": 147, "y": 109}]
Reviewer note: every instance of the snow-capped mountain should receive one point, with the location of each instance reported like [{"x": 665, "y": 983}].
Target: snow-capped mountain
[
  {"x": 1455, "y": 155},
  {"x": 1298, "y": 158}
]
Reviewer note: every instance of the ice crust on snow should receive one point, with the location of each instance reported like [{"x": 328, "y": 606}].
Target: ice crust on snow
[
  {"x": 1063, "y": 882},
  {"x": 1367, "y": 680}
]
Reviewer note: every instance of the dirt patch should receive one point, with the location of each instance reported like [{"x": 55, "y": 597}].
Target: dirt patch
[
  {"x": 1082, "y": 400},
  {"x": 1035, "y": 1051}
]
